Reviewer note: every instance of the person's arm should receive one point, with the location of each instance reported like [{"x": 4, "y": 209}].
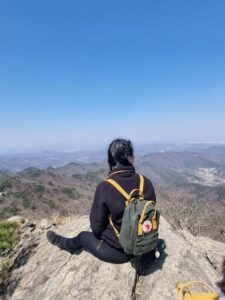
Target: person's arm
[
  {"x": 149, "y": 191},
  {"x": 99, "y": 212}
]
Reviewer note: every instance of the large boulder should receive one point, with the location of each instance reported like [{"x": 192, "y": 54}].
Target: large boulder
[
  {"x": 44, "y": 272},
  {"x": 51, "y": 273}
]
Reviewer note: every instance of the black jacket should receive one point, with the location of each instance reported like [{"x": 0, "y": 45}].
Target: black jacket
[{"x": 108, "y": 201}]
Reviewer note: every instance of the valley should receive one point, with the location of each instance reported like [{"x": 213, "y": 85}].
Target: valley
[{"x": 190, "y": 189}]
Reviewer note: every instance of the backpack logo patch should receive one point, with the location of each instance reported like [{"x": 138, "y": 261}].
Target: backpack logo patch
[{"x": 147, "y": 226}]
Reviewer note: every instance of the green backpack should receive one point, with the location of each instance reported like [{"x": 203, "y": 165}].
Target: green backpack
[{"x": 140, "y": 222}]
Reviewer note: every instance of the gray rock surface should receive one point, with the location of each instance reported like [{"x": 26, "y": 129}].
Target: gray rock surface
[
  {"x": 44, "y": 272},
  {"x": 186, "y": 258},
  {"x": 45, "y": 224},
  {"x": 51, "y": 273}
]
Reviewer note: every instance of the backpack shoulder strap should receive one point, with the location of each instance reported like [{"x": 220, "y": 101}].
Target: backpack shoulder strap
[
  {"x": 141, "y": 185},
  {"x": 114, "y": 228},
  {"x": 119, "y": 188},
  {"x": 123, "y": 192}
]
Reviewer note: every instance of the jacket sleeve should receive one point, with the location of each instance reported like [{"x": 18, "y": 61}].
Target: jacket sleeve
[
  {"x": 99, "y": 212},
  {"x": 149, "y": 191}
]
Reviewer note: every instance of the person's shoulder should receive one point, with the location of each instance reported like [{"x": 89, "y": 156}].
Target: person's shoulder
[
  {"x": 103, "y": 185},
  {"x": 146, "y": 179},
  {"x": 102, "y": 190}
]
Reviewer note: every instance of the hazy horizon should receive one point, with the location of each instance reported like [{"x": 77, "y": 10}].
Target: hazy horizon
[{"x": 98, "y": 147}]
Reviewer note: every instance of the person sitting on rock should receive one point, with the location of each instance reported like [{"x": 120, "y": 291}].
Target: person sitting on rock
[
  {"x": 221, "y": 283},
  {"x": 102, "y": 242}
]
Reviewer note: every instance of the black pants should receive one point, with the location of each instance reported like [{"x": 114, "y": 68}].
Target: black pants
[{"x": 99, "y": 248}]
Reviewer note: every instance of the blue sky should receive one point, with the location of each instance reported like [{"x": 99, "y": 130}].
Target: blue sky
[{"x": 83, "y": 72}]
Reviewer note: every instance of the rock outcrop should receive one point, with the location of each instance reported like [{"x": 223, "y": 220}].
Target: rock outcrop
[
  {"x": 42, "y": 271},
  {"x": 186, "y": 258}
]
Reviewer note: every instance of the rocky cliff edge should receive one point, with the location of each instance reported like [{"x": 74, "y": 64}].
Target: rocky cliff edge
[{"x": 41, "y": 271}]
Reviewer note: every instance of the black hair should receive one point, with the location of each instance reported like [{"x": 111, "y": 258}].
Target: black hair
[
  {"x": 221, "y": 283},
  {"x": 118, "y": 151}
]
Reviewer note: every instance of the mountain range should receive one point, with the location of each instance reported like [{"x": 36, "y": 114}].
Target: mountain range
[{"x": 190, "y": 188}]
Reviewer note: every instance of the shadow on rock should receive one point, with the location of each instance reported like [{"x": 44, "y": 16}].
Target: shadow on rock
[
  {"x": 23, "y": 256},
  {"x": 152, "y": 266},
  {"x": 147, "y": 263}
]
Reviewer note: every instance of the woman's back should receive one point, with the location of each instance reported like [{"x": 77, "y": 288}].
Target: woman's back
[
  {"x": 108, "y": 201},
  {"x": 102, "y": 242}
]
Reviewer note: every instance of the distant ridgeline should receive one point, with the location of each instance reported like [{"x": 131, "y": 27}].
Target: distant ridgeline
[{"x": 190, "y": 189}]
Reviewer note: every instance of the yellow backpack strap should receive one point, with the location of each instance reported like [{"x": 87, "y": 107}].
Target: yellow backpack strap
[
  {"x": 141, "y": 185},
  {"x": 114, "y": 228},
  {"x": 126, "y": 196},
  {"x": 119, "y": 189},
  {"x": 154, "y": 221}
]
